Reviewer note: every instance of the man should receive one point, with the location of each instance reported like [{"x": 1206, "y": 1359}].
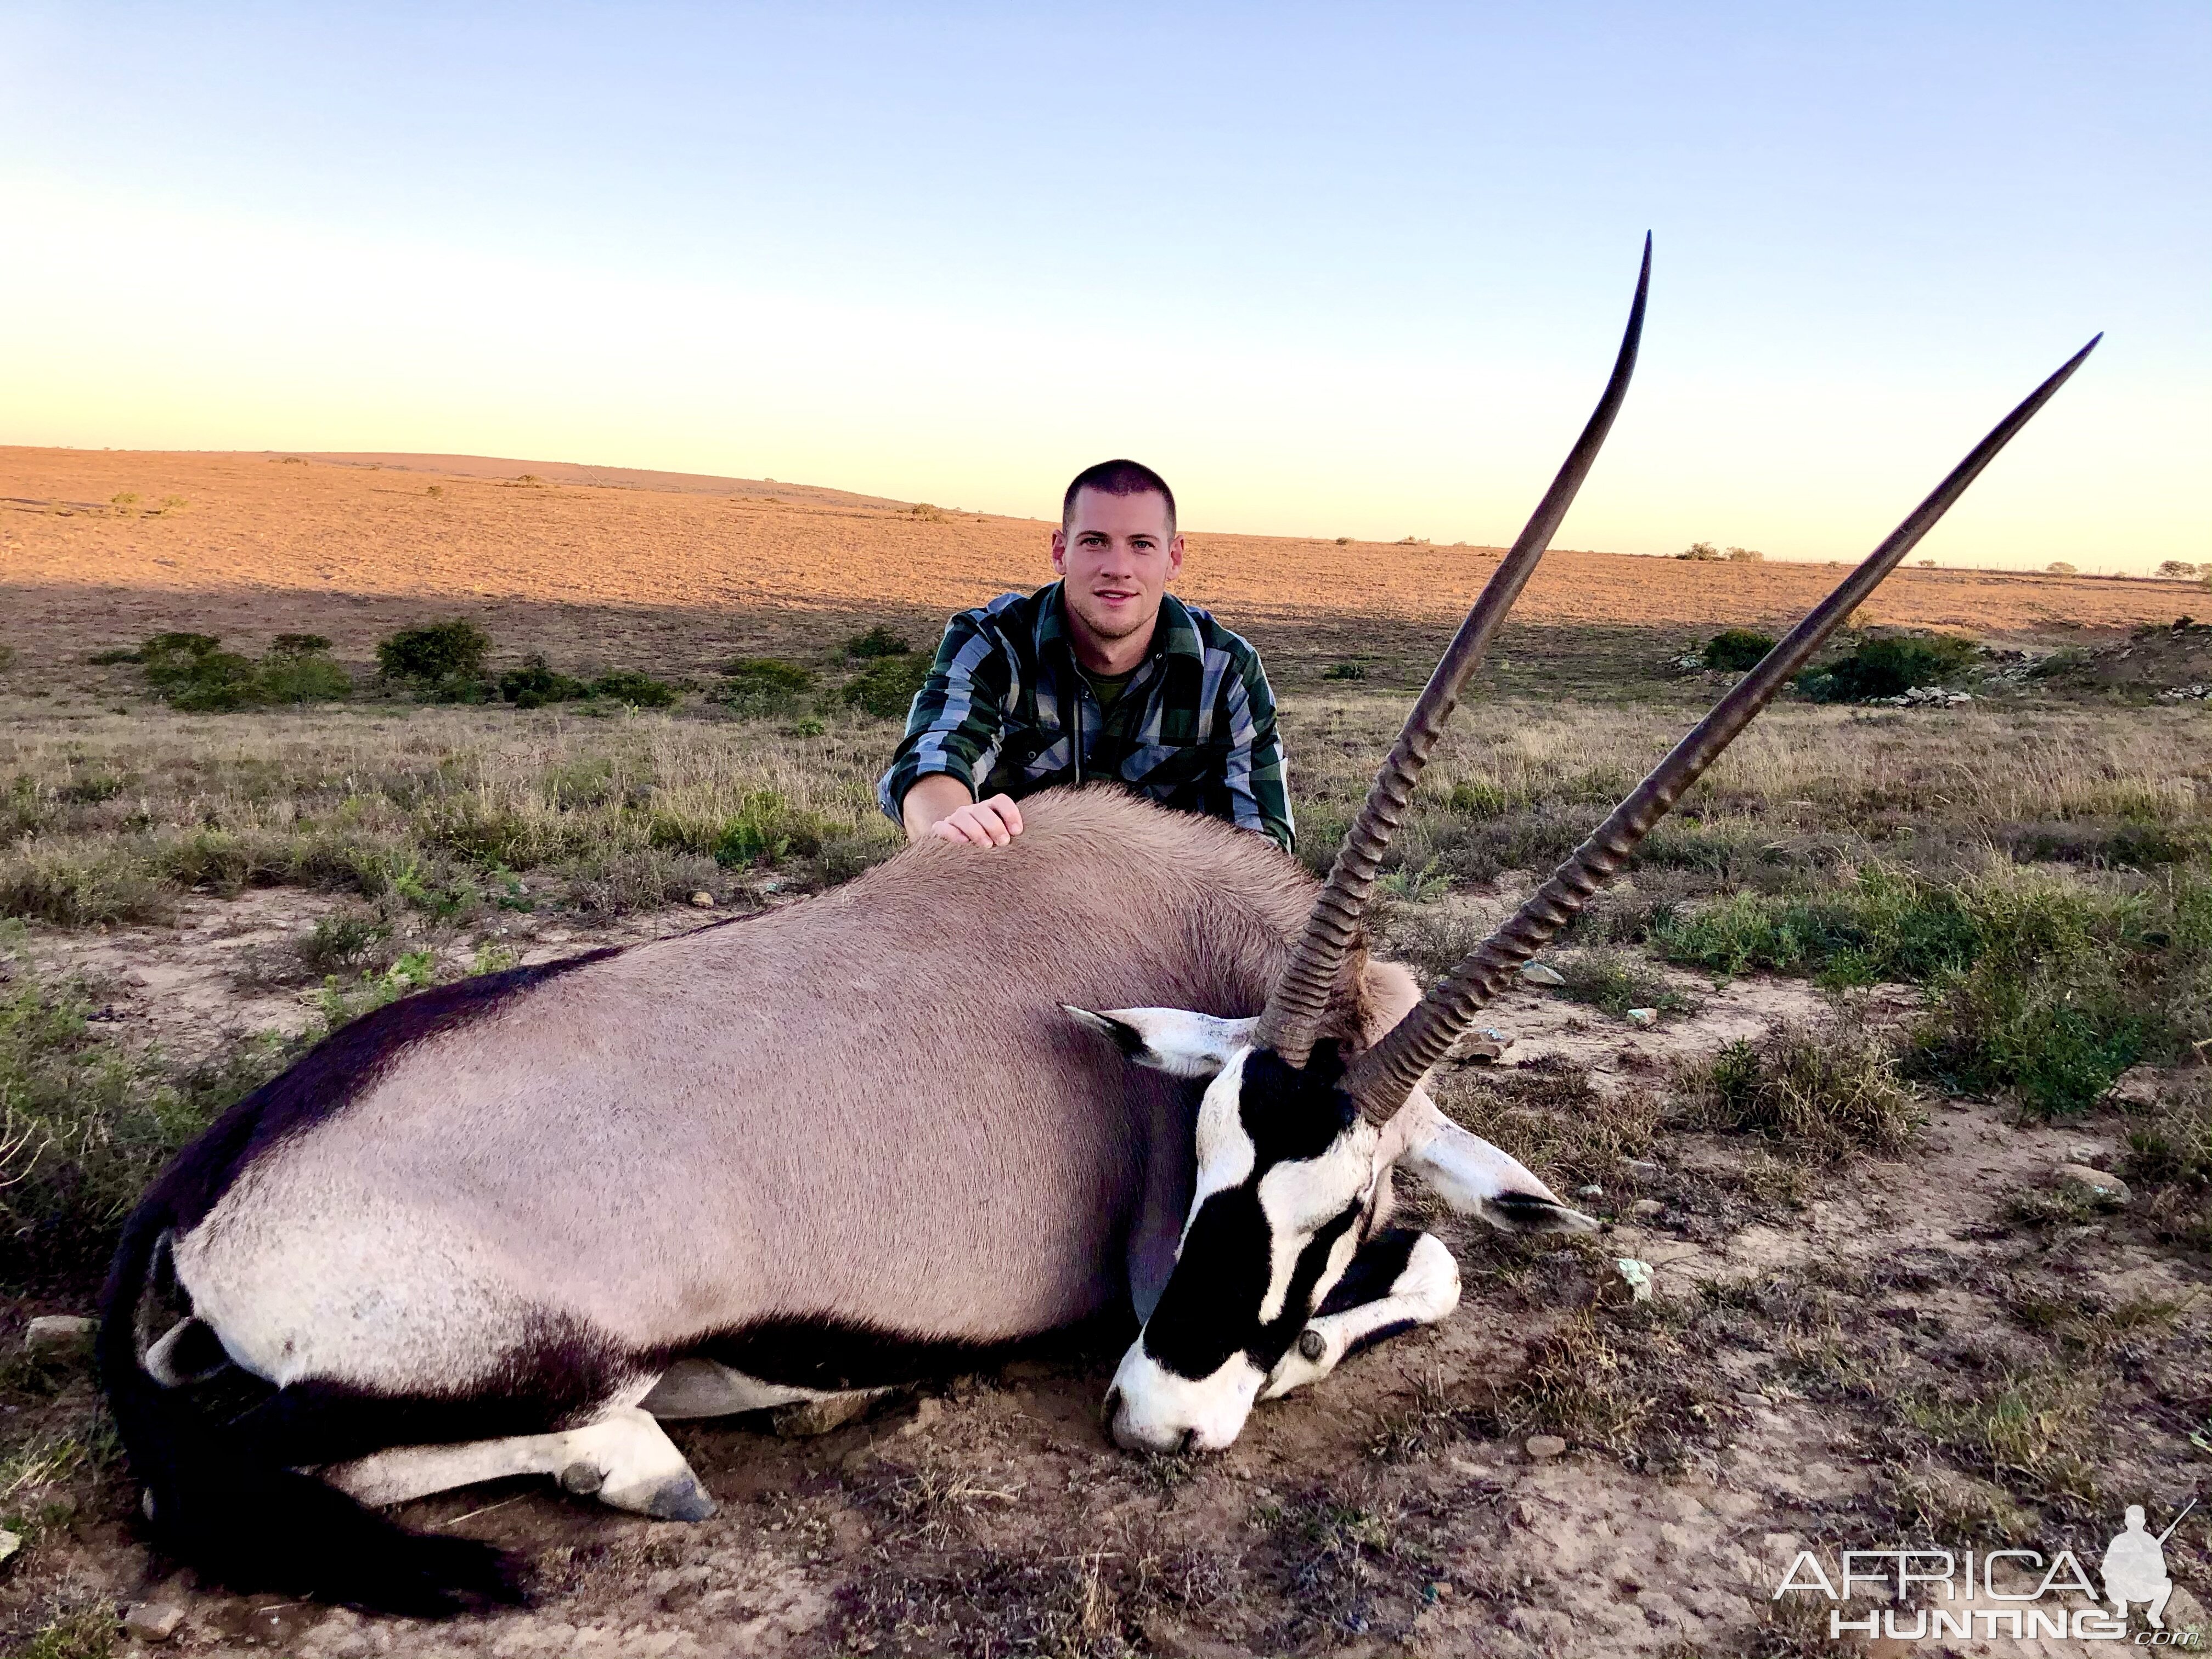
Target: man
[{"x": 1100, "y": 675}]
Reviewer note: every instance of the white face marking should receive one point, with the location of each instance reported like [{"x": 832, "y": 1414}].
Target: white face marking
[{"x": 1158, "y": 1409}]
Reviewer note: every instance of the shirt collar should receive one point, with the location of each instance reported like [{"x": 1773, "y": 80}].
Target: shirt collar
[{"x": 1173, "y": 634}]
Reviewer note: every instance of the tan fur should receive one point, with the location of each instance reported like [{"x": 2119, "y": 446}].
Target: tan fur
[{"x": 867, "y": 1107}]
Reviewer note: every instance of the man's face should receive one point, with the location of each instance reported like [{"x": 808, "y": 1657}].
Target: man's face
[{"x": 1116, "y": 556}]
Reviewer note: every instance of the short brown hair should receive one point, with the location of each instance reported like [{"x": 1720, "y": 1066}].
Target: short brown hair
[{"x": 1119, "y": 478}]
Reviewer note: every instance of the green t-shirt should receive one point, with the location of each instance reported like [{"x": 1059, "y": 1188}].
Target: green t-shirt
[{"x": 1107, "y": 687}]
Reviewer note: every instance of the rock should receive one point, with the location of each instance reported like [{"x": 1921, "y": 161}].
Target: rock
[
  {"x": 1543, "y": 1447},
  {"x": 924, "y": 1417},
  {"x": 811, "y": 1417},
  {"x": 1482, "y": 1044},
  {"x": 1647, "y": 1209},
  {"x": 1635, "y": 1276},
  {"x": 1589, "y": 1192},
  {"x": 703, "y": 899},
  {"x": 2136, "y": 1086},
  {"x": 59, "y": 1333},
  {"x": 1643, "y": 1016},
  {"x": 2105, "y": 1185},
  {"x": 1535, "y": 973},
  {"x": 9, "y": 1543},
  {"x": 1642, "y": 1168},
  {"x": 154, "y": 1621}
]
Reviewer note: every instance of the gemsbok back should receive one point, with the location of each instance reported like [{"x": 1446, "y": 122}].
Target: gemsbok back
[{"x": 508, "y": 1226}]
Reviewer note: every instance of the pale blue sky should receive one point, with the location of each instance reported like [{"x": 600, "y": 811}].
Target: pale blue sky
[{"x": 1334, "y": 271}]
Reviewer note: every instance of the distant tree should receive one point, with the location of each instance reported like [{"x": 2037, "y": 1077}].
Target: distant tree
[
  {"x": 2060, "y": 567},
  {"x": 1700, "y": 550},
  {"x": 1746, "y": 555},
  {"x": 2180, "y": 569}
]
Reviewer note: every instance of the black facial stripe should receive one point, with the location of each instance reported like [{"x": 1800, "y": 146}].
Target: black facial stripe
[
  {"x": 1212, "y": 1304},
  {"x": 1374, "y": 1272},
  {"x": 1273, "y": 1340}
]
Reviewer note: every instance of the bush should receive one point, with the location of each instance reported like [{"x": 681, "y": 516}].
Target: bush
[
  {"x": 878, "y": 642},
  {"x": 535, "y": 684},
  {"x": 766, "y": 829},
  {"x": 1736, "y": 649},
  {"x": 1701, "y": 551},
  {"x": 1884, "y": 925},
  {"x": 2177, "y": 569},
  {"x": 761, "y": 686},
  {"x": 1344, "y": 671},
  {"x": 303, "y": 676},
  {"x": 638, "y": 690},
  {"x": 886, "y": 688},
  {"x": 1616, "y": 983},
  {"x": 1831, "y": 1092},
  {"x": 2060, "y": 567},
  {"x": 190, "y": 673},
  {"x": 1746, "y": 556},
  {"x": 435, "y": 654},
  {"x": 1889, "y": 667}
]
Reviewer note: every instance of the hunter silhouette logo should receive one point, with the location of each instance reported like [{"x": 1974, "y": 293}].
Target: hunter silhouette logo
[
  {"x": 1938, "y": 1593},
  {"x": 2135, "y": 1567}
]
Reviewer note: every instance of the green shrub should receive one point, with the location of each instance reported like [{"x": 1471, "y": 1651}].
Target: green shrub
[
  {"x": 887, "y": 687},
  {"x": 1888, "y": 668},
  {"x": 1616, "y": 983},
  {"x": 535, "y": 683},
  {"x": 79, "y": 887},
  {"x": 1344, "y": 671},
  {"x": 1830, "y": 1093},
  {"x": 435, "y": 654},
  {"x": 761, "y": 686},
  {"x": 766, "y": 829},
  {"x": 1736, "y": 649},
  {"x": 638, "y": 691},
  {"x": 1885, "y": 925},
  {"x": 1701, "y": 551},
  {"x": 300, "y": 676},
  {"x": 878, "y": 642},
  {"x": 189, "y": 672},
  {"x": 1478, "y": 797}
]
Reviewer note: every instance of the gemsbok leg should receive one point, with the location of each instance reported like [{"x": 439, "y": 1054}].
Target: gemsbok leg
[{"x": 625, "y": 1459}]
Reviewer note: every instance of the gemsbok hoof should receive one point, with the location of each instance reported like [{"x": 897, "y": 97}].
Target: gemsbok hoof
[
  {"x": 680, "y": 1500},
  {"x": 582, "y": 1479}
]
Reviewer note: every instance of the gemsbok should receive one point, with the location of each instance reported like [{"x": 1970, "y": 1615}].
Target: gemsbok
[{"x": 506, "y": 1226}]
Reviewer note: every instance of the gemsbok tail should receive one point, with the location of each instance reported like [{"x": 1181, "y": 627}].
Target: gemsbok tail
[{"x": 219, "y": 1504}]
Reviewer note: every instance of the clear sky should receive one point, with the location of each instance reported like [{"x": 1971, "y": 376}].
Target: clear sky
[{"x": 1335, "y": 269}]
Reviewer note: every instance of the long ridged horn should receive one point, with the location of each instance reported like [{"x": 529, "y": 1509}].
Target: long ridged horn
[
  {"x": 1381, "y": 1079},
  {"x": 1294, "y": 1007}
]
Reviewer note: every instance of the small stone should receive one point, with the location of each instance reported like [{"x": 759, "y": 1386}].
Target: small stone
[
  {"x": 1636, "y": 1275},
  {"x": 1647, "y": 1209},
  {"x": 59, "y": 1333},
  {"x": 2105, "y": 1185},
  {"x": 703, "y": 899},
  {"x": 1535, "y": 973},
  {"x": 924, "y": 1417},
  {"x": 1643, "y": 1016},
  {"x": 9, "y": 1543},
  {"x": 1642, "y": 1168},
  {"x": 154, "y": 1621},
  {"x": 1542, "y": 1447},
  {"x": 2136, "y": 1086},
  {"x": 1589, "y": 1192},
  {"x": 811, "y": 1417}
]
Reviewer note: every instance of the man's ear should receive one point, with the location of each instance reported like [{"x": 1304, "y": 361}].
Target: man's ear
[
  {"x": 1060, "y": 552},
  {"x": 1170, "y": 1040}
]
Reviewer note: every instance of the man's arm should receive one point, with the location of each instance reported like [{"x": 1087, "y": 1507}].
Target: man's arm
[
  {"x": 1259, "y": 794},
  {"x": 951, "y": 732}
]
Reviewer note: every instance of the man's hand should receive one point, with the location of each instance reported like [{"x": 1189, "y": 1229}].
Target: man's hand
[
  {"x": 992, "y": 822},
  {"x": 940, "y": 806}
]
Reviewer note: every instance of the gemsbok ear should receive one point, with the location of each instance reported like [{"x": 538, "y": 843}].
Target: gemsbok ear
[
  {"x": 1475, "y": 1178},
  {"x": 1170, "y": 1040}
]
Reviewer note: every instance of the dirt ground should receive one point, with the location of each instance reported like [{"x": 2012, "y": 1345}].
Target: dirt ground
[{"x": 257, "y": 543}]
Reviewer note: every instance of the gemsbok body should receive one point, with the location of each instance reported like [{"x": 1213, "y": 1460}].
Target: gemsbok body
[{"x": 508, "y": 1226}]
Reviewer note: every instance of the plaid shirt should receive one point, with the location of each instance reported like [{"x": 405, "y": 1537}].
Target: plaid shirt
[{"x": 1195, "y": 727}]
